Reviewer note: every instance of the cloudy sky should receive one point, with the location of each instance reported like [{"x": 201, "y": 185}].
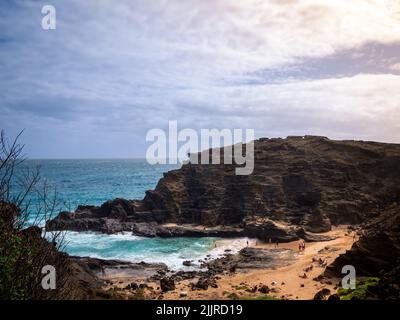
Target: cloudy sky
[{"x": 112, "y": 70}]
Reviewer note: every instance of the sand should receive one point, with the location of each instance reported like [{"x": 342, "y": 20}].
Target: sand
[{"x": 286, "y": 280}]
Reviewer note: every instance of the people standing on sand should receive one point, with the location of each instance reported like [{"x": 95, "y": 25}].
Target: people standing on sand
[
  {"x": 247, "y": 242},
  {"x": 277, "y": 244},
  {"x": 302, "y": 246}
]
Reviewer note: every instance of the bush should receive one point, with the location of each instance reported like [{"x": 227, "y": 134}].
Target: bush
[
  {"x": 17, "y": 270},
  {"x": 361, "y": 291},
  {"x": 23, "y": 250}
]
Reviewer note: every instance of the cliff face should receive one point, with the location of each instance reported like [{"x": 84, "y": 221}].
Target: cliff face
[
  {"x": 299, "y": 184},
  {"x": 376, "y": 254},
  {"x": 378, "y": 248},
  {"x": 312, "y": 181}
]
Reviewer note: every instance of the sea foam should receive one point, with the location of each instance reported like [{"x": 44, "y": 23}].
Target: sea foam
[{"x": 171, "y": 251}]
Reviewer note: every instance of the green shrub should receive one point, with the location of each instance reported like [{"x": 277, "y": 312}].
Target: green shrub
[
  {"x": 233, "y": 296},
  {"x": 361, "y": 291},
  {"x": 17, "y": 271}
]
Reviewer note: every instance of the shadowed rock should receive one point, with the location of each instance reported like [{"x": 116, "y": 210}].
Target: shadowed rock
[
  {"x": 300, "y": 186},
  {"x": 376, "y": 254}
]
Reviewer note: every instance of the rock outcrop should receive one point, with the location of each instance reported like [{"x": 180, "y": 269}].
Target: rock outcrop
[
  {"x": 376, "y": 254},
  {"x": 378, "y": 247},
  {"x": 299, "y": 185},
  {"x": 252, "y": 258}
]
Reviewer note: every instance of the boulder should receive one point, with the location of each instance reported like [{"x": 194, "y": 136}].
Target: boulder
[
  {"x": 203, "y": 283},
  {"x": 187, "y": 263},
  {"x": 320, "y": 295},
  {"x": 264, "y": 289},
  {"x": 167, "y": 284}
]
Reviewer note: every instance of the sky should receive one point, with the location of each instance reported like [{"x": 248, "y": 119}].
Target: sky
[{"x": 113, "y": 70}]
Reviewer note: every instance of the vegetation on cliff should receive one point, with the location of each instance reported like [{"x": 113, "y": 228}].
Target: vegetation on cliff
[
  {"x": 24, "y": 249},
  {"x": 361, "y": 292}
]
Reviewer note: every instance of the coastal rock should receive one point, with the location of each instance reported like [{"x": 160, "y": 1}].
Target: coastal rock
[
  {"x": 132, "y": 286},
  {"x": 377, "y": 249},
  {"x": 299, "y": 187},
  {"x": 376, "y": 253},
  {"x": 264, "y": 289},
  {"x": 108, "y": 269},
  {"x": 187, "y": 263},
  {"x": 203, "y": 283},
  {"x": 250, "y": 259},
  {"x": 320, "y": 295},
  {"x": 388, "y": 286},
  {"x": 184, "y": 275},
  {"x": 167, "y": 284}
]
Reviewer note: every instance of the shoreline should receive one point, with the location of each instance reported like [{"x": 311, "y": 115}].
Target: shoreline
[
  {"x": 283, "y": 282},
  {"x": 171, "y": 251},
  {"x": 287, "y": 274}
]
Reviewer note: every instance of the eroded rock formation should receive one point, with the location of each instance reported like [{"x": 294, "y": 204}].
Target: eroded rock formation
[
  {"x": 299, "y": 185},
  {"x": 376, "y": 254}
]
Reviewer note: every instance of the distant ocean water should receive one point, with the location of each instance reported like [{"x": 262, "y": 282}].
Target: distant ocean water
[{"x": 93, "y": 182}]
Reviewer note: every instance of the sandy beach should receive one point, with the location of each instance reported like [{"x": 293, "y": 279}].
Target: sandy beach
[{"x": 287, "y": 282}]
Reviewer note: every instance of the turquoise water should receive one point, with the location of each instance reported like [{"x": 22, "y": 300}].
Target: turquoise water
[{"x": 95, "y": 181}]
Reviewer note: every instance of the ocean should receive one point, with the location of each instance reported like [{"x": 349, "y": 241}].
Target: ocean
[{"x": 93, "y": 182}]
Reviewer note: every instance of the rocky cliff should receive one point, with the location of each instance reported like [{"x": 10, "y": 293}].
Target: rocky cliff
[
  {"x": 376, "y": 254},
  {"x": 299, "y": 185}
]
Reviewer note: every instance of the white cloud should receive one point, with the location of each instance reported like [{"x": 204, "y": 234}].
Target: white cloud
[
  {"x": 126, "y": 66},
  {"x": 362, "y": 106},
  {"x": 395, "y": 67}
]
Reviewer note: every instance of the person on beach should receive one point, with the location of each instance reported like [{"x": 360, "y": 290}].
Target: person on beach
[
  {"x": 247, "y": 242},
  {"x": 302, "y": 245},
  {"x": 277, "y": 244}
]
